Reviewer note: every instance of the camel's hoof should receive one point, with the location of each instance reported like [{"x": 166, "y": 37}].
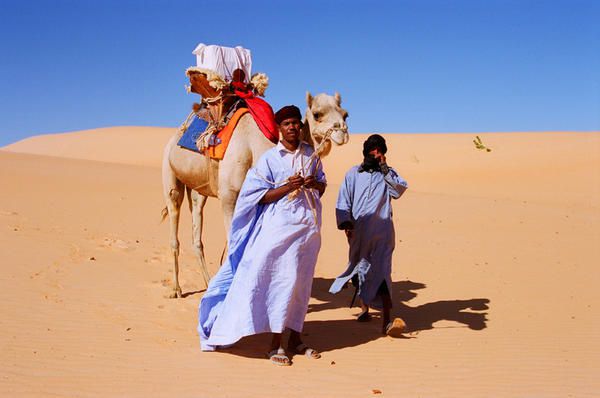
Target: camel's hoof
[{"x": 176, "y": 294}]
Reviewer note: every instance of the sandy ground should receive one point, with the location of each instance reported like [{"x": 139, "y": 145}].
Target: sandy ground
[{"x": 496, "y": 274}]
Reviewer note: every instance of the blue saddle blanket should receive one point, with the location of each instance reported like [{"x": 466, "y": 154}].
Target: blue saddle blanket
[{"x": 191, "y": 134}]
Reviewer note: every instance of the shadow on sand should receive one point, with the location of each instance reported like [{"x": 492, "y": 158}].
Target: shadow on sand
[
  {"x": 331, "y": 335},
  {"x": 193, "y": 292},
  {"x": 338, "y": 334}
]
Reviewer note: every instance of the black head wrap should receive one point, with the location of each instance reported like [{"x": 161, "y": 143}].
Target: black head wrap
[
  {"x": 287, "y": 112},
  {"x": 370, "y": 164},
  {"x": 374, "y": 141}
]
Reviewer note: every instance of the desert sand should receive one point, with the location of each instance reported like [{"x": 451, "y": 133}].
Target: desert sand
[{"x": 495, "y": 272}]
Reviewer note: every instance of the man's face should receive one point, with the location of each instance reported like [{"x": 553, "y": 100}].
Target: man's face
[
  {"x": 377, "y": 154},
  {"x": 290, "y": 130}
]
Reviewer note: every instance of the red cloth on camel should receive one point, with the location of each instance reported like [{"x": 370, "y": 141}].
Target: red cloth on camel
[{"x": 262, "y": 113}]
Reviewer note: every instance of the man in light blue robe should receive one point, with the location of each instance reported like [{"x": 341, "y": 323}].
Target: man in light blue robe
[
  {"x": 265, "y": 283},
  {"x": 364, "y": 212}
]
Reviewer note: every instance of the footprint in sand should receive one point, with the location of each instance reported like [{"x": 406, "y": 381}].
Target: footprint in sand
[
  {"x": 166, "y": 282},
  {"x": 53, "y": 297},
  {"x": 113, "y": 243},
  {"x": 157, "y": 257},
  {"x": 8, "y": 213},
  {"x": 75, "y": 252}
]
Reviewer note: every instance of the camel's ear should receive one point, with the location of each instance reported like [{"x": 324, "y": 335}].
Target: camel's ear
[
  {"x": 309, "y": 99},
  {"x": 338, "y": 99}
]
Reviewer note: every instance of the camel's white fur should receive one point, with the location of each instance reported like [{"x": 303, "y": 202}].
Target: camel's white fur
[{"x": 204, "y": 177}]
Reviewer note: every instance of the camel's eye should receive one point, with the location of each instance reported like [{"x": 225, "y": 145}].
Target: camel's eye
[{"x": 317, "y": 115}]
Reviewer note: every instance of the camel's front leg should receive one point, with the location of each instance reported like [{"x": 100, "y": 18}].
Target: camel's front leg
[
  {"x": 232, "y": 172},
  {"x": 229, "y": 189},
  {"x": 197, "y": 207},
  {"x": 228, "y": 198}
]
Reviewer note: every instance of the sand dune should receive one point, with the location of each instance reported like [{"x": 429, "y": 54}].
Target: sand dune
[
  {"x": 495, "y": 274},
  {"x": 128, "y": 145}
]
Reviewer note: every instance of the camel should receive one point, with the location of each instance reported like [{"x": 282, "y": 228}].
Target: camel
[{"x": 183, "y": 170}]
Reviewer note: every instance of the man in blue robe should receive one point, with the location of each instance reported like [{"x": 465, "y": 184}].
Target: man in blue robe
[
  {"x": 265, "y": 283},
  {"x": 364, "y": 212}
]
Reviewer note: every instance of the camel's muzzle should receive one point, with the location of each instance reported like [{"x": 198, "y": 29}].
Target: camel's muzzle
[{"x": 340, "y": 136}]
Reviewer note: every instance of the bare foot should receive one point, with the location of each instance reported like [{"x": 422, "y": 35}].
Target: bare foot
[{"x": 303, "y": 349}]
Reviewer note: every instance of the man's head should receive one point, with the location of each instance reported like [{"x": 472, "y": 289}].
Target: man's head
[
  {"x": 374, "y": 146},
  {"x": 289, "y": 120}
]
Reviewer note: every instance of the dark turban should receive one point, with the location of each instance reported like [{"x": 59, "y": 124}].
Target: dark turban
[
  {"x": 370, "y": 164},
  {"x": 288, "y": 112},
  {"x": 374, "y": 141}
]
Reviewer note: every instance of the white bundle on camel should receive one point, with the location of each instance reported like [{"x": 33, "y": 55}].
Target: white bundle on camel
[
  {"x": 223, "y": 60},
  {"x": 220, "y": 66}
]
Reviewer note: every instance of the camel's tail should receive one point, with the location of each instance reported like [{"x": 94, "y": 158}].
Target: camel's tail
[{"x": 174, "y": 194}]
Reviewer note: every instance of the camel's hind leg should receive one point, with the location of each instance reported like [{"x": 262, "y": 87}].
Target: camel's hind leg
[
  {"x": 173, "y": 191},
  {"x": 197, "y": 202}
]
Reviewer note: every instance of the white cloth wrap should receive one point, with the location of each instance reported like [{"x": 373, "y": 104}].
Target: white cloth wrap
[{"x": 224, "y": 60}]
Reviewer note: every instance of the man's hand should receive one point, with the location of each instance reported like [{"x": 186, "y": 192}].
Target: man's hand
[
  {"x": 378, "y": 155},
  {"x": 310, "y": 182},
  {"x": 272, "y": 195},
  {"x": 295, "y": 182}
]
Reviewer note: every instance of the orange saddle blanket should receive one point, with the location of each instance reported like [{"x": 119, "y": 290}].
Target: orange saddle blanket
[{"x": 224, "y": 136}]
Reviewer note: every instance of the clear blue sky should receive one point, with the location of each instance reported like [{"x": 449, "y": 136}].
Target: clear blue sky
[{"x": 401, "y": 66}]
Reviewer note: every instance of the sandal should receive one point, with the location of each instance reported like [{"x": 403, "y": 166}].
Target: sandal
[
  {"x": 364, "y": 316},
  {"x": 303, "y": 349},
  {"x": 278, "y": 357},
  {"x": 395, "y": 328}
]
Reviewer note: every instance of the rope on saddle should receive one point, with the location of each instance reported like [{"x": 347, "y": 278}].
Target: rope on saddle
[
  {"x": 184, "y": 125},
  {"x": 204, "y": 140}
]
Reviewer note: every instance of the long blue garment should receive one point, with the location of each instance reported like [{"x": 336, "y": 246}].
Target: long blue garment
[
  {"x": 265, "y": 283},
  {"x": 364, "y": 200}
]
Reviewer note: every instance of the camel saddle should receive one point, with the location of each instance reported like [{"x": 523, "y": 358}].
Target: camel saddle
[
  {"x": 221, "y": 102},
  {"x": 218, "y": 102},
  {"x": 197, "y": 136}
]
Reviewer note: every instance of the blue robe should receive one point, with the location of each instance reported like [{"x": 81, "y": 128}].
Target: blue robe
[
  {"x": 364, "y": 201},
  {"x": 265, "y": 283}
]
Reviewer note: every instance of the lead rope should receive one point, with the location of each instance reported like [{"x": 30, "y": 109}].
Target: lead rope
[{"x": 312, "y": 158}]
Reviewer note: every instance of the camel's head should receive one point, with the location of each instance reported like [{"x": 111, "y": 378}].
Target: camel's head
[{"x": 325, "y": 122}]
